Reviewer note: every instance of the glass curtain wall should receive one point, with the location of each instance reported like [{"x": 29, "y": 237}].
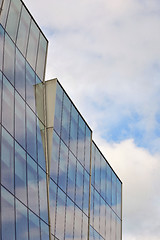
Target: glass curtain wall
[{"x": 23, "y": 189}]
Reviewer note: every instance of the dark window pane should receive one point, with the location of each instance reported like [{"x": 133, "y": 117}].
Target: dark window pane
[
  {"x": 33, "y": 44},
  {"x": 20, "y": 174},
  {"x": 7, "y": 161},
  {"x": 13, "y": 18},
  {"x": 32, "y": 176},
  {"x": 20, "y": 74},
  {"x": 20, "y": 120},
  {"x": 23, "y": 31},
  {"x": 7, "y": 215},
  {"x": 34, "y": 228},
  {"x": 9, "y": 56},
  {"x": 8, "y": 105},
  {"x": 43, "y": 195},
  {"x": 21, "y": 222},
  {"x": 31, "y": 133},
  {"x": 1, "y": 45}
]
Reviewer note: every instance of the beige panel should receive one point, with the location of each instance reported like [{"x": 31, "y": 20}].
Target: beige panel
[{"x": 50, "y": 93}]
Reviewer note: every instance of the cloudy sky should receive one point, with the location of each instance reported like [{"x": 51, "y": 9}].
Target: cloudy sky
[{"x": 106, "y": 54}]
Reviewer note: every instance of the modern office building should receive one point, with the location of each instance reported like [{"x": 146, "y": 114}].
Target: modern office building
[{"x": 54, "y": 181}]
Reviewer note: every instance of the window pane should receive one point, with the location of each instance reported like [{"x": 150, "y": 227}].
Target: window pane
[
  {"x": 39, "y": 91},
  {"x": 71, "y": 176},
  {"x": 114, "y": 192},
  {"x": 20, "y": 120},
  {"x": 34, "y": 228},
  {"x": 84, "y": 227},
  {"x": 7, "y": 161},
  {"x": 21, "y": 222},
  {"x": 30, "y": 86},
  {"x": 81, "y": 138},
  {"x": 62, "y": 178},
  {"x": 52, "y": 201},
  {"x": 87, "y": 148},
  {"x": 55, "y": 157},
  {"x": 9, "y": 56},
  {"x": 43, "y": 195},
  {"x": 1, "y": 45},
  {"x": 23, "y": 31},
  {"x": 79, "y": 185},
  {"x": 0, "y": 94},
  {"x": 7, "y": 215},
  {"x": 8, "y": 105},
  {"x": 32, "y": 175},
  {"x": 60, "y": 214},
  {"x": 58, "y": 109},
  {"x": 41, "y": 144},
  {"x": 31, "y": 133},
  {"x": 13, "y": 18},
  {"x": 86, "y": 192},
  {"x": 102, "y": 218},
  {"x": 20, "y": 174},
  {"x": 4, "y": 13},
  {"x": 97, "y": 170},
  {"x": 74, "y": 130},
  {"x": 69, "y": 219},
  {"x": 20, "y": 74},
  {"x": 33, "y": 44},
  {"x": 41, "y": 57},
  {"x": 119, "y": 186},
  {"x": 44, "y": 231},
  {"x": 109, "y": 182},
  {"x": 78, "y": 223},
  {"x": 66, "y": 119}
]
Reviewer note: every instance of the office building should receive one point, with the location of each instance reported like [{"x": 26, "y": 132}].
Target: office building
[{"x": 54, "y": 181}]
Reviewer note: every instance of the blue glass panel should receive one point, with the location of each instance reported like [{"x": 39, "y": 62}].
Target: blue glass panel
[
  {"x": 8, "y": 105},
  {"x": 30, "y": 86},
  {"x": 91, "y": 233},
  {"x": 86, "y": 192},
  {"x": 81, "y": 140},
  {"x": 20, "y": 135},
  {"x": 62, "y": 177},
  {"x": 20, "y": 174},
  {"x": 54, "y": 157},
  {"x": 69, "y": 219},
  {"x": 96, "y": 210},
  {"x": 108, "y": 221},
  {"x": 7, "y": 215},
  {"x": 34, "y": 228},
  {"x": 44, "y": 231},
  {"x": 92, "y": 207},
  {"x": 103, "y": 177},
  {"x": 119, "y": 186},
  {"x": 4, "y": 13},
  {"x": 13, "y": 18},
  {"x": 102, "y": 218},
  {"x": 109, "y": 184},
  {"x": 32, "y": 176},
  {"x": 84, "y": 227},
  {"x": 43, "y": 195},
  {"x": 60, "y": 214},
  {"x": 21, "y": 222},
  {"x": 118, "y": 229},
  {"x": 114, "y": 192},
  {"x": 66, "y": 119},
  {"x": 7, "y": 161},
  {"x": 1, "y": 45},
  {"x": 71, "y": 176},
  {"x": 41, "y": 144},
  {"x": 39, "y": 89},
  {"x": 9, "y": 56},
  {"x": 52, "y": 201},
  {"x": 74, "y": 130},
  {"x": 31, "y": 133},
  {"x": 58, "y": 109},
  {"x": 97, "y": 170},
  {"x": 79, "y": 185},
  {"x": 41, "y": 57},
  {"x": 93, "y": 165},
  {"x": 113, "y": 226},
  {"x": 20, "y": 74},
  {"x": 87, "y": 148}
]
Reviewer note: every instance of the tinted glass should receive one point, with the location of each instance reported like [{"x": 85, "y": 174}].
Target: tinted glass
[
  {"x": 52, "y": 201},
  {"x": 41, "y": 144},
  {"x": 54, "y": 157},
  {"x": 71, "y": 176},
  {"x": 34, "y": 228},
  {"x": 62, "y": 178},
  {"x": 30, "y": 86},
  {"x": 74, "y": 130},
  {"x": 21, "y": 222},
  {"x": 20, "y": 74},
  {"x": 69, "y": 219},
  {"x": 58, "y": 109},
  {"x": 1, "y": 45},
  {"x": 41, "y": 57}
]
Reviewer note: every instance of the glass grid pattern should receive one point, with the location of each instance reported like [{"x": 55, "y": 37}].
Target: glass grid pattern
[{"x": 80, "y": 194}]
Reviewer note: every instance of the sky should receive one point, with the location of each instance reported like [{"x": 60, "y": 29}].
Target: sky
[{"x": 106, "y": 55}]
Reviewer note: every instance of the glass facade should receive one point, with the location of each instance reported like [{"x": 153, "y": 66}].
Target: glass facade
[{"x": 54, "y": 181}]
